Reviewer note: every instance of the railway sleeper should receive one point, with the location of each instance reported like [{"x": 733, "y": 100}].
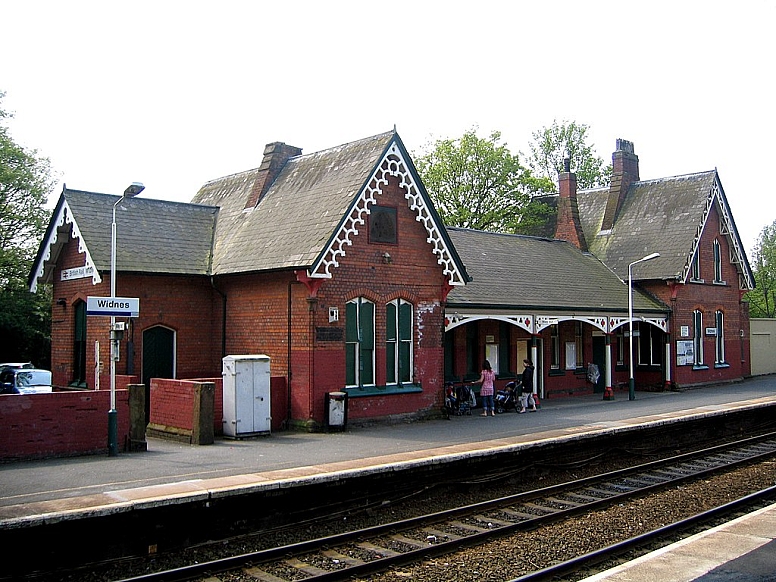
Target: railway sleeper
[
  {"x": 438, "y": 536},
  {"x": 468, "y": 527},
  {"x": 340, "y": 557},
  {"x": 492, "y": 521},
  {"x": 408, "y": 541},
  {"x": 378, "y": 551},
  {"x": 263, "y": 576},
  {"x": 518, "y": 515},
  {"x": 305, "y": 567}
]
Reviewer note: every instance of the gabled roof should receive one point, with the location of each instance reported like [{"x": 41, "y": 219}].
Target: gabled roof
[
  {"x": 305, "y": 220},
  {"x": 152, "y": 236},
  {"x": 667, "y": 216},
  {"x": 523, "y": 272},
  {"x": 314, "y": 207}
]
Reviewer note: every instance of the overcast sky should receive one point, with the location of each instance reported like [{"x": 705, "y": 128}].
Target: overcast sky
[{"x": 174, "y": 94}]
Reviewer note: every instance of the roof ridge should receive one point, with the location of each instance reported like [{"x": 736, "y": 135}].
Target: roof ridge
[
  {"x": 510, "y": 234},
  {"x": 141, "y": 199}
]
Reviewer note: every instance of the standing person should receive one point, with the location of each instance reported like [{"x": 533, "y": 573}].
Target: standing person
[
  {"x": 526, "y": 386},
  {"x": 487, "y": 376}
]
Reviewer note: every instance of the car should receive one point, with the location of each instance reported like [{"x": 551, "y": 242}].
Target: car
[
  {"x": 25, "y": 381},
  {"x": 16, "y": 365}
]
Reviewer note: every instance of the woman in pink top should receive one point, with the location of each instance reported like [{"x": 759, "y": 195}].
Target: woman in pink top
[{"x": 486, "y": 391}]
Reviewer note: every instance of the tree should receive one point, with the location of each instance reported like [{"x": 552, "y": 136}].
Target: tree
[
  {"x": 478, "y": 183},
  {"x": 551, "y": 145},
  {"x": 25, "y": 183},
  {"x": 762, "y": 299}
]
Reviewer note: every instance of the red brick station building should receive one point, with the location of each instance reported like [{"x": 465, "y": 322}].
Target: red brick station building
[{"x": 336, "y": 265}]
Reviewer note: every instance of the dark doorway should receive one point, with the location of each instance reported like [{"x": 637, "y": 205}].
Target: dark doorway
[
  {"x": 158, "y": 358},
  {"x": 599, "y": 359}
]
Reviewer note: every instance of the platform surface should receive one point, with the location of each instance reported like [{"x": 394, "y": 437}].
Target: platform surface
[
  {"x": 742, "y": 550},
  {"x": 168, "y": 470}
]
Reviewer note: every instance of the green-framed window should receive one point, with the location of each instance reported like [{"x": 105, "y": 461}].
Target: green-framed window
[
  {"x": 398, "y": 340},
  {"x": 359, "y": 342}
]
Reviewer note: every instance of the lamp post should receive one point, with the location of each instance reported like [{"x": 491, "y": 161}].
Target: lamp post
[
  {"x": 631, "y": 380},
  {"x": 132, "y": 190}
]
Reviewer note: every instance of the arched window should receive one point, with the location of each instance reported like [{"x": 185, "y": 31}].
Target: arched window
[
  {"x": 717, "y": 262},
  {"x": 359, "y": 342},
  {"x": 719, "y": 357},
  {"x": 695, "y": 274},
  {"x": 697, "y": 318},
  {"x": 398, "y": 340}
]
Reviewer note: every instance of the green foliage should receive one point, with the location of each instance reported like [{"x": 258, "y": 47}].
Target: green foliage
[
  {"x": 478, "y": 183},
  {"x": 551, "y": 145},
  {"x": 25, "y": 182},
  {"x": 762, "y": 299}
]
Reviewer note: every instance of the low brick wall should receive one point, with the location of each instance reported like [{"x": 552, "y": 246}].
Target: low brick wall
[
  {"x": 175, "y": 412},
  {"x": 182, "y": 410},
  {"x": 60, "y": 424}
]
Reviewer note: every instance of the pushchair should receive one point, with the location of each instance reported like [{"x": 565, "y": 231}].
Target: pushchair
[
  {"x": 506, "y": 399},
  {"x": 457, "y": 400}
]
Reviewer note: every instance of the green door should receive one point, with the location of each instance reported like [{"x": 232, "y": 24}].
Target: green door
[{"x": 158, "y": 358}]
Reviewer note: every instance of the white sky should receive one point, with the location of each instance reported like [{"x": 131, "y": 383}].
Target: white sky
[{"x": 176, "y": 93}]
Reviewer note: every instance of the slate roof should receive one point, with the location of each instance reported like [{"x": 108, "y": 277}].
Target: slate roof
[
  {"x": 152, "y": 236},
  {"x": 297, "y": 216},
  {"x": 665, "y": 216},
  {"x": 522, "y": 272},
  {"x": 306, "y": 208}
]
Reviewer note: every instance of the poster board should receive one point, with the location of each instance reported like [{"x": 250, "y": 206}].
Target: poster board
[{"x": 685, "y": 352}]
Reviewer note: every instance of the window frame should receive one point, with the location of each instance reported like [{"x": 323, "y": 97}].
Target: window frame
[
  {"x": 620, "y": 341},
  {"x": 695, "y": 269},
  {"x": 554, "y": 347},
  {"x": 697, "y": 319},
  {"x": 359, "y": 343},
  {"x": 579, "y": 342},
  {"x": 719, "y": 342},
  {"x": 649, "y": 344},
  {"x": 399, "y": 342},
  {"x": 717, "y": 262}
]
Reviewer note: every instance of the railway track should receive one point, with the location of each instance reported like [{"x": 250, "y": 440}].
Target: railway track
[{"x": 367, "y": 551}]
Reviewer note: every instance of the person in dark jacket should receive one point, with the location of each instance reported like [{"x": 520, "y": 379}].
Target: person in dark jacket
[{"x": 526, "y": 387}]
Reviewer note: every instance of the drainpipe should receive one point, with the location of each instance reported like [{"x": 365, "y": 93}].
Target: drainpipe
[
  {"x": 223, "y": 316},
  {"x": 288, "y": 359}
]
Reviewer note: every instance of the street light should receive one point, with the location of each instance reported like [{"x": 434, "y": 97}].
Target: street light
[
  {"x": 631, "y": 380},
  {"x": 113, "y": 429}
]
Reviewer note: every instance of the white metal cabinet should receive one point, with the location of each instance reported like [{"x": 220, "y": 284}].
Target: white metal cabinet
[{"x": 247, "y": 410}]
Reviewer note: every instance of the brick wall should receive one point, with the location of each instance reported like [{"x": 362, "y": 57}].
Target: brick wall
[
  {"x": 172, "y": 404},
  {"x": 60, "y": 424},
  {"x": 258, "y": 318},
  {"x": 187, "y": 305},
  {"x": 709, "y": 297}
]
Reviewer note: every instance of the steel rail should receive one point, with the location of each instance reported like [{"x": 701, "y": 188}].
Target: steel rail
[
  {"x": 612, "y": 487},
  {"x": 614, "y": 550}
]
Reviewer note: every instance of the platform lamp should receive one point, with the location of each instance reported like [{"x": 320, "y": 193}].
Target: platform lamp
[
  {"x": 631, "y": 380},
  {"x": 113, "y": 429}
]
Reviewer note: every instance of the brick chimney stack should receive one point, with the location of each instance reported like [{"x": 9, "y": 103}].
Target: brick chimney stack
[
  {"x": 568, "y": 227},
  {"x": 625, "y": 171},
  {"x": 276, "y": 155}
]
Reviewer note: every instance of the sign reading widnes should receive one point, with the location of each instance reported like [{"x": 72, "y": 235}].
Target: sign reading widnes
[{"x": 117, "y": 306}]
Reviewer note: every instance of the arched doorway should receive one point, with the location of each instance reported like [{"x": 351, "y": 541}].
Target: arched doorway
[{"x": 158, "y": 358}]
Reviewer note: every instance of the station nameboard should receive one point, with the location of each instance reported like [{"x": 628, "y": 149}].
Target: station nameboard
[{"x": 116, "y": 306}]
